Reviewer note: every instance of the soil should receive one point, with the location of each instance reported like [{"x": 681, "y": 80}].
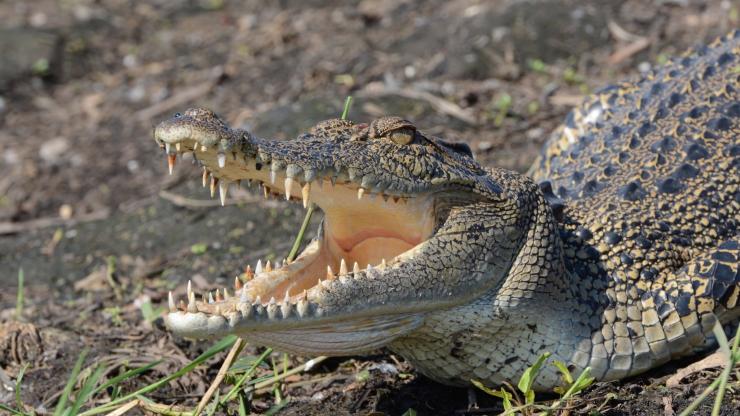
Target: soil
[{"x": 101, "y": 232}]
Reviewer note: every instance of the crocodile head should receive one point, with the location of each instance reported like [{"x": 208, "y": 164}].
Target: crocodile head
[{"x": 391, "y": 248}]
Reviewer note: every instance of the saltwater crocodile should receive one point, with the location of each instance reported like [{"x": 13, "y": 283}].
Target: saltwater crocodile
[{"x": 618, "y": 252}]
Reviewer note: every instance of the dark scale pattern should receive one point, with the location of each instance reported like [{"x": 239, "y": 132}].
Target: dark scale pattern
[{"x": 670, "y": 247}]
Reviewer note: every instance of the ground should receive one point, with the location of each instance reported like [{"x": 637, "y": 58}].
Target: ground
[{"x": 102, "y": 233}]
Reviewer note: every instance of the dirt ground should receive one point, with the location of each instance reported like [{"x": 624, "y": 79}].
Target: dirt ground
[{"x": 101, "y": 232}]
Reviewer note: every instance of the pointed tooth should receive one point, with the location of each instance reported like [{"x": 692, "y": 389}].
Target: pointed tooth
[
  {"x": 248, "y": 273},
  {"x": 258, "y": 301},
  {"x": 205, "y": 176},
  {"x": 171, "y": 302},
  {"x": 342, "y": 267},
  {"x": 223, "y": 189},
  {"x": 272, "y": 301},
  {"x": 258, "y": 267},
  {"x": 287, "y": 296},
  {"x": 304, "y": 295},
  {"x": 177, "y": 146},
  {"x": 237, "y": 283},
  {"x": 329, "y": 273},
  {"x": 191, "y": 303},
  {"x": 266, "y": 192},
  {"x": 302, "y": 308},
  {"x": 285, "y": 309},
  {"x": 288, "y": 187},
  {"x": 369, "y": 267},
  {"x": 226, "y": 294},
  {"x": 210, "y": 297},
  {"x": 356, "y": 268},
  {"x": 167, "y": 148},
  {"x": 221, "y": 160},
  {"x": 171, "y": 160},
  {"x": 360, "y": 193},
  {"x": 218, "y": 296},
  {"x": 305, "y": 192},
  {"x": 383, "y": 264},
  {"x": 203, "y": 148},
  {"x": 273, "y": 176},
  {"x": 272, "y": 309},
  {"x": 268, "y": 266},
  {"x": 214, "y": 183}
]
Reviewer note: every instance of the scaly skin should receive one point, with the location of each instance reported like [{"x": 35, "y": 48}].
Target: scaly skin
[{"x": 623, "y": 257}]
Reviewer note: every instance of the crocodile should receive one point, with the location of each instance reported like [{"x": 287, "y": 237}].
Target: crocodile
[{"x": 618, "y": 251}]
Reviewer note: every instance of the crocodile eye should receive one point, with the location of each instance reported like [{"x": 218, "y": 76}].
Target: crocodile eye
[
  {"x": 178, "y": 115},
  {"x": 401, "y": 136}
]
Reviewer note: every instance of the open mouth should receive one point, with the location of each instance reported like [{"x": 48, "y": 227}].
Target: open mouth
[{"x": 363, "y": 232}]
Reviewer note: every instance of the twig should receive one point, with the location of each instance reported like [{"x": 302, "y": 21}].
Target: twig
[
  {"x": 16, "y": 227},
  {"x": 123, "y": 409},
  {"x": 439, "y": 104},
  {"x": 624, "y": 53},
  {"x": 717, "y": 359},
  {"x": 235, "y": 349}
]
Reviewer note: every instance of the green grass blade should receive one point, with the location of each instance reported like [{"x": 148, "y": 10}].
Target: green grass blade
[
  {"x": 18, "y": 381},
  {"x": 719, "y": 333},
  {"x": 12, "y": 411},
  {"x": 530, "y": 374},
  {"x": 347, "y": 104},
  {"x": 62, "y": 403},
  {"x": 235, "y": 389},
  {"x": 222, "y": 345},
  {"x": 301, "y": 232},
  {"x": 128, "y": 374},
  {"x": 21, "y": 296},
  {"x": 87, "y": 389}
]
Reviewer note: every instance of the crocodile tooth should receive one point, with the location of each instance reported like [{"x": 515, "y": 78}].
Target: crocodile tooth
[
  {"x": 210, "y": 297},
  {"x": 369, "y": 267},
  {"x": 234, "y": 318},
  {"x": 382, "y": 264},
  {"x": 268, "y": 266},
  {"x": 248, "y": 273},
  {"x": 360, "y": 193},
  {"x": 266, "y": 192},
  {"x": 191, "y": 303},
  {"x": 223, "y": 188},
  {"x": 272, "y": 309},
  {"x": 285, "y": 309},
  {"x": 287, "y": 296},
  {"x": 342, "y": 267},
  {"x": 304, "y": 295},
  {"x": 288, "y": 187},
  {"x": 214, "y": 182},
  {"x": 237, "y": 283},
  {"x": 167, "y": 148},
  {"x": 203, "y": 148},
  {"x": 226, "y": 294},
  {"x": 305, "y": 193},
  {"x": 205, "y": 176},
  {"x": 258, "y": 301},
  {"x": 302, "y": 308},
  {"x": 273, "y": 177},
  {"x": 272, "y": 301},
  {"x": 258, "y": 267},
  {"x": 356, "y": 268},
  {"x": 329, "y": 273},
  {"x": 190, "y": 288},
  {"x": 218, "y": 296},
  {"x": 246, "y": 309},
  {"x": 171, "y": 302},
  {"x": 221, "y": 160},
  {"x": 171, "y": 160}
]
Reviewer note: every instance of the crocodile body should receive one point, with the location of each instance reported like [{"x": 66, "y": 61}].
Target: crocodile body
[{"x": 618, "y": 252}]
